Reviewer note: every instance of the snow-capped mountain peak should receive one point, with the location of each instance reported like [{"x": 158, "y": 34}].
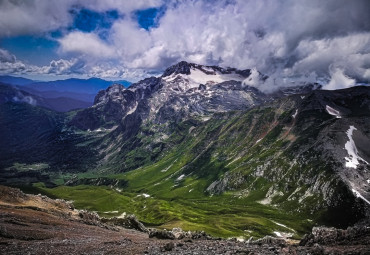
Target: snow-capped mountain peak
[{"x": 189, "y": 75}]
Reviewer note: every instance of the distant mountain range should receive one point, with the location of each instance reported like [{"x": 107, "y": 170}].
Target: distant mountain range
[
  {"x": 62, "y": 102},
  {"x": 89, "y": 86},
  {"x": 15, "y": 80},
  {"x": 61, "y": 95},
  {"x": 84, "y": 86}
]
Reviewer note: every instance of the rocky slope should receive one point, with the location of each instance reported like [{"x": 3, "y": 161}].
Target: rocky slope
[
  {"x": 293, "y": 153},
  {"x": 40, "y": 225}
]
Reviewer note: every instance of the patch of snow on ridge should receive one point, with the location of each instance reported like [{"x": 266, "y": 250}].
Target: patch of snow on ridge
[
  {"x": 357, "y": 194},
  {"x": 199, "y": 77},
  {"x": 122, "y": 216},
  {"x": 207, "y": 69},
  {"x": 259, "y": 140},
  {"x": 166, "y": 169},
  {"x": 333, "y": 112},
  {"x": 171, "y": 77},
  {"x": 180, "y": 177},
  {"x": 144, "y": 195},
  {"x": 283, "y": 234},
  {"x": 240, "y": 239},
  {"x": 282, "y": 225},
  {"x": 353, "y": 158},
  {"x": 295, "y": 114},
  {"x": 111, "y": 212}
]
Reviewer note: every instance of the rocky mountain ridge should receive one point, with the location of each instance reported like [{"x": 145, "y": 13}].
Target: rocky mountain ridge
[{"x": 184, "y": 90}]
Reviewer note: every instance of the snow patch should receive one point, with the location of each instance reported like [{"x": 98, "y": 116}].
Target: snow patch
[
  {"x": 305, "y": 195},
  {"x": 283, "y": 234},
  {"x": 240, "y": 239},
  {"x": 295, "y": 114},
  {"x": 184, "y": 82},
  {"x": 207, "y": 69},
  {"x": 199, "y": 77},
  {"x": 353, "y": 158},
  {"x": 180, "y": 177},
  {"x": 111, "y": 212},
  {"x": 166, "y": 169},
  {"x": 333, "y": 112},
  {"x": 278, "y": 234},
  {"x": 259, "y": 140},
  {"x": 302, "y": 97},
  {"x": 170, "y": 77},
  {"x": 265, "y": 201},
  {"x": 284, "y": 226},
  {"x": 235, "y": 159},
  {"x": 144, "y": 195},
  {"x": 122, "y": 216},
  {"x": 357, "y": 194}
]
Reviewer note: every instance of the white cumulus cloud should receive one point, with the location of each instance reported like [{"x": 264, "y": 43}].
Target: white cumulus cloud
[
  {"x": 299, "y": 39},
  {"x": 88, "y": 44}
]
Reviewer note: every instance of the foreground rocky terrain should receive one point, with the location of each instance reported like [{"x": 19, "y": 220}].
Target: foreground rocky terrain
[{"x": 35, "y": 224}]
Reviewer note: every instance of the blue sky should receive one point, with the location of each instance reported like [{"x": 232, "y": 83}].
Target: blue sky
[{"x": 134, "y": 39}]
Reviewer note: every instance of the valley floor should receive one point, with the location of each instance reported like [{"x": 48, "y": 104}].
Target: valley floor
[{"x": 39, "y": 225}]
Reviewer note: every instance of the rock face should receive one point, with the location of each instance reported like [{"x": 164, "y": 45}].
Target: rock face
[
  {"x": 178, "y": 234},
  {"x": 358, "y": 234},
  {"x": 128, "y": 221},
  {"x": 184, "y": 89}
]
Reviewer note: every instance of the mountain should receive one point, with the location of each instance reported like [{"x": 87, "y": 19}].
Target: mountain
[
  {"x": 30, "y": 134},
  {"x": 10, "y": 93},
  {"x": 184, "y": 90},
  {"x": 197, "y": 148},
  {"x": 78, "y": 89},
  {"x": 86, "y": 86},
  {"x": 85, "y": 97},
  {"x": 15, "y": 80}
]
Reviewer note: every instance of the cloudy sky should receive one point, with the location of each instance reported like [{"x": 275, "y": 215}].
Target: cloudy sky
[{"x": 125, "y": 39}]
